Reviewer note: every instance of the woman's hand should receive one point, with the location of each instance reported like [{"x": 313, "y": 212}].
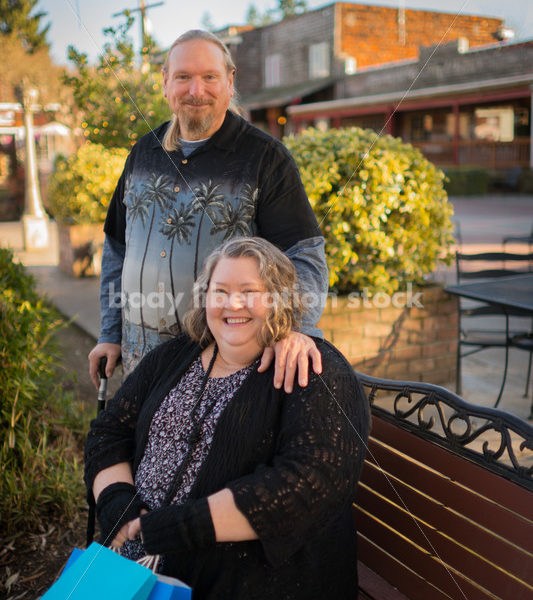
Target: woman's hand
[
  {"x": 293, "y": 351},
  {"x": 134, "y": 527},
  {"x": 117, "y": 505},
  {"x": 129, "y": 531},
  {"x": 122, "y": 535}
]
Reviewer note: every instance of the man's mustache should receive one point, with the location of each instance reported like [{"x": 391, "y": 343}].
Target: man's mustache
[{"x": 196, "y": 101}]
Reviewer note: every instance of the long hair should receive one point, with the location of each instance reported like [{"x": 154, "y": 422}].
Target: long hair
[
  {"x": 171, "y": 138},
  {"x": 278, "y": 275}
]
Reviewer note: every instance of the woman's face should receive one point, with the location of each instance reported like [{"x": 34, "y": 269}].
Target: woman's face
[{"x": 237, "y": 304}]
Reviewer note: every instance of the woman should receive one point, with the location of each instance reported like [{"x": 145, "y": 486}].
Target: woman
[{"x": 244, "y": 489}]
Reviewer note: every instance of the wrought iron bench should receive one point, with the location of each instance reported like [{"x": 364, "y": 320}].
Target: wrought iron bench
[{"x": 445, "y": 504}]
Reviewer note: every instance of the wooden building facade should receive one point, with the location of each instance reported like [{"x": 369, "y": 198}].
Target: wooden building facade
[
  {"x": 459, "y": 106},
  {"x": 310, "y": 57}
]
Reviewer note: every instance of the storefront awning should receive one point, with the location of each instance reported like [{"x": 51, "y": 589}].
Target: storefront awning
[{"x": 285, "y": 95}]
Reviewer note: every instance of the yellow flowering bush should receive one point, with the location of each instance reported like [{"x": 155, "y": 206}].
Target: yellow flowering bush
[
  {"x": 82, "y": 185},
  {"x": 380, "y": 204}
]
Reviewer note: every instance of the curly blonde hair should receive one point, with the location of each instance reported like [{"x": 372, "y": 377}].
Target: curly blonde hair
[{"x": 278, "y": 275}]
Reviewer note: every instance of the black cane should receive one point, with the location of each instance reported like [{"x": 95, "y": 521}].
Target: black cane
[
  {"x": 102, "y": 390},
  {"x": 100, "y": 406}
]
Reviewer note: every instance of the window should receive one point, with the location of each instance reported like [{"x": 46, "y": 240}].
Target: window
[
  {"x": 350, "y": 65},
  {"x": 319, "y": 60},
  {"x": 494, "y": 124},
  {"x": 272, "y": 70}
]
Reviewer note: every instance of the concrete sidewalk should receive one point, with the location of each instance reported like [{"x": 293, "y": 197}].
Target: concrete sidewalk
[
  {"x": 483, "y": 222},
  {"x": 75, "y": 298}
]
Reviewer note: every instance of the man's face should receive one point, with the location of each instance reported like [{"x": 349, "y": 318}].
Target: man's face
[{"x": 198, "y": 88}]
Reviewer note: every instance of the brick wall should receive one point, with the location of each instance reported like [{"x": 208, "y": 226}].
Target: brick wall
[
  {"x": 416, "y": 344},
  {"x": 372, "y": 34}
]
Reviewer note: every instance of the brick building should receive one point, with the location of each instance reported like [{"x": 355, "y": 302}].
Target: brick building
[{"x": 305, "y": 58}]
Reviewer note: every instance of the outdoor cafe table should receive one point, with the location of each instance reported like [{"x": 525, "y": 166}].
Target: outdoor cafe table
[{"x": 513, "y": 295}]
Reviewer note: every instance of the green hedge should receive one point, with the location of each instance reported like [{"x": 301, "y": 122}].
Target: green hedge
[
  {"x": 380, "y": 204},
  {"x": 40, "y": 429},
  {"x": 467, "y": 181},
  {"x": 525, "y": 182}
]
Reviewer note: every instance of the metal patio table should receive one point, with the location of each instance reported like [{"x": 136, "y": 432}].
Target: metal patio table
[{"x": 512, "y": 294}]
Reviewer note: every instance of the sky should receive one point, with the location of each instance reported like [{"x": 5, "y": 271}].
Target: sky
[{"x": 80, "y": 22}]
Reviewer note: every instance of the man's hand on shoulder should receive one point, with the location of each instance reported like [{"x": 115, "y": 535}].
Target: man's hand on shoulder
[
  {"x": 292, "y": 353},
  {"x": 111, "y": 351}
]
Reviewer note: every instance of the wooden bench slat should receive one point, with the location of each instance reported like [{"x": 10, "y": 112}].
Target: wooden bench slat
[
  {"x": 487, "y": 513},
  {"x": 374, "y": 587},
  {"x": 450, "y": 515},
  {"x": 425, "y": 565},
  {"x": 490, "y": 545},
  {"x": 493, "y": 576},
  {"x": 475, "y": 477}
]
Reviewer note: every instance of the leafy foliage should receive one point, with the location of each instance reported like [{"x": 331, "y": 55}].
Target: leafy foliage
[
  {"x": 16, "y": 18},
  {"x": 82, "y": 185},
  {"x": 525, "y": 181},
  {"x": 381, "y": 206},
  {"x": 284, "y": 10},
  {"x": 25, "y": 53},
  {"x": 40, "y": 431},
  {"x": 120, "y": 101},
  {"x": 36, "y": 67},
  {"x": 288, "y": 8},
  {"x": 467, "y": 181}
]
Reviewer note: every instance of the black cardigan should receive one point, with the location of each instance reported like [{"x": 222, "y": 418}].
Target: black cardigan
[{"x": 292, "y": 462}]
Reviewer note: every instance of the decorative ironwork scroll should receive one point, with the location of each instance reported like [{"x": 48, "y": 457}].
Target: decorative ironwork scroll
[{"x": 497, "y": 440}]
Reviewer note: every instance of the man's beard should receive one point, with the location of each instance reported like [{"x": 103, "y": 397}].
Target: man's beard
[{"x": 196, "y": 126}]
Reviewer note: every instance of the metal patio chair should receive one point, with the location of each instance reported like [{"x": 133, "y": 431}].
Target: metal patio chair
[{"x": 493, "y": 265}]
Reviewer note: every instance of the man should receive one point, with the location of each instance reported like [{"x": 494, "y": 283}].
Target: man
[{"x": 206, "y": 176}]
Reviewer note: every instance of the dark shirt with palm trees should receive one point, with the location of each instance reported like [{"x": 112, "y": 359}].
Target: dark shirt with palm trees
[{"x": 170, "y": 211}]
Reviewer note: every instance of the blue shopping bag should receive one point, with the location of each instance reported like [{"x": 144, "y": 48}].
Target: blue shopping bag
[
  {"x": 165, "y": 588},
  {"x": 100, "y": 572},
  {"x": 169, "y": 588}
]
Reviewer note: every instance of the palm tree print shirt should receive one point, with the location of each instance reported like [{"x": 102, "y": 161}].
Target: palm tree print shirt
[{"x": 170, "y": 211}]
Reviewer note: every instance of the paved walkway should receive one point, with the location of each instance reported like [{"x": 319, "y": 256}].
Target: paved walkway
[{"x": 482, "y": 224}]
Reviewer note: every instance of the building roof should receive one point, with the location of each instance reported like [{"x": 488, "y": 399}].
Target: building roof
[
  {"x": 285, "y": 95},
  {"x": 440, "y": 72}
]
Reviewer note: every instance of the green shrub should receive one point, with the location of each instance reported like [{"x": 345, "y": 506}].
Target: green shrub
[
  {"x": 82, "y": 185},
  {"x": 380, "y": 204},
  {"x": 525, "y": 182},
  {"x": 40, "y": 428},
  {"x": 467, "y": 181}
]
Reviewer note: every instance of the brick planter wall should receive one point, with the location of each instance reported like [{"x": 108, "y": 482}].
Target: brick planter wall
[{"x": 411, "y": 343}]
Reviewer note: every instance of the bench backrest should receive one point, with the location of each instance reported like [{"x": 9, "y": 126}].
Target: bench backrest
[{"x": 431, "y": 521}]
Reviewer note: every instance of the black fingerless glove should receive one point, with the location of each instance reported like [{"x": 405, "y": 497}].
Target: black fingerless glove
[
  {"x": 173, "y": 529},
  {"x": 117, "y": 504}
]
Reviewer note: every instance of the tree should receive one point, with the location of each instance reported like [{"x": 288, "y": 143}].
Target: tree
[
  {"x": 37, "y": 67},
  {"x": 289, "y": 8},
  {"x": 207, "y": 22},
  {"x": 256, "y": 18},
  {"x": 119, "y": 100},
  {"x": 16, "y": 18},
  {"x": 285, "y": 9},
  {"x": 25, "y": 53}
]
